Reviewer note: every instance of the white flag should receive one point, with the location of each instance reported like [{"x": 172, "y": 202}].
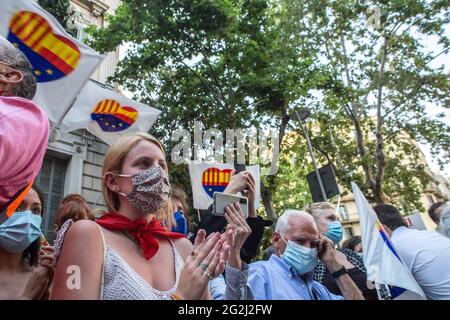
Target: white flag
[
  {"x": 384, "y": 265},
  {"x": 207, "y": 178},
  {"x": 62, "y": 64},
  {"x": 107, "y": 114}
]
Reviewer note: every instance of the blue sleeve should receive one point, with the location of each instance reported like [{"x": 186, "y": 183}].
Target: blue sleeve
[
  {"x": 236, "y": 283},
  {"x": 325, "y": 294},
  {"x": 257, "y": 282},
  {"x": 217, "y": 287}
]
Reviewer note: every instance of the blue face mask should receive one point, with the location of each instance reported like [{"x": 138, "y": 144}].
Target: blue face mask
[
  {"x": 335, "y": 231},
  {"x": 301, "y": 258},
  {"x": 19, "y": 231},
  {"x": 182, "y": 225}
]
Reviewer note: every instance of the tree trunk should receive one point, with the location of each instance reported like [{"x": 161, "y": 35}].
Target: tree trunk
[
  {"x": 370, "y": 183},
  {"x": 266, "y": 196},
  {"x": 379, "y": 195},
  {"x": 266, "y": 191}
]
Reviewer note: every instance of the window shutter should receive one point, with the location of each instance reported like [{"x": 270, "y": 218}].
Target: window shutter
[{"x": 51, "y": 182}]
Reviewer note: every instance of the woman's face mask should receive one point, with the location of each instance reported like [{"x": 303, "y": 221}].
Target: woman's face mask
[
  {"x": 335, "y": 231},
  {"x": 301, "y": 258},
  {"x": 19, "y": 231},
  {"x": 151, "y": 190}
]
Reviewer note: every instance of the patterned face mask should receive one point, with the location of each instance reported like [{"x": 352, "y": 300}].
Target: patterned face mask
[{"x": 151, "y": 190}]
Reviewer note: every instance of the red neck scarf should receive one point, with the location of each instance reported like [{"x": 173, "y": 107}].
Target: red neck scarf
[{"x": 141, "y": 230}]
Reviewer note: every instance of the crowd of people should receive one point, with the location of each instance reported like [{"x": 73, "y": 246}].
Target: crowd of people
[{"x": 145, "y": 246}]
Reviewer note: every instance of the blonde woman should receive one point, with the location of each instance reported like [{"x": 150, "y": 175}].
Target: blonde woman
[
  {"x": 328, "y": 224},
  {"x": 127, "y": 254}
]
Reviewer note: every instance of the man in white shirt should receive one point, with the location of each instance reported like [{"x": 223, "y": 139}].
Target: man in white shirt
[
  {"x": 426, "y": 253},
  {"x": 435, "y": 212}
]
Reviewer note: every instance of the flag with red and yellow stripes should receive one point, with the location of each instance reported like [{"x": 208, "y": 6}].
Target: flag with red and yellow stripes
[
  {"x": 207, "y": 178},
  {"x": 61, "y": 64},
  {"x": 107, "y": 114}
]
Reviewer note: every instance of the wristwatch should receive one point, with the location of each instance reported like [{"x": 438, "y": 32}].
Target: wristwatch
[{"x": 339, "y": 273}]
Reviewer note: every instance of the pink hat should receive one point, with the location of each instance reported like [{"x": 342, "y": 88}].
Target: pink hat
[{"x": 24, "y": 130}]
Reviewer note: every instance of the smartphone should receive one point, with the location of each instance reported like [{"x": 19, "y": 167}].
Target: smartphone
[
  {"x": 239, "y": 167},
  {"x": 222, "y": 200}
]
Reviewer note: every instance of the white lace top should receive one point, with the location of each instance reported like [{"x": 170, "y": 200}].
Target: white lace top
[{"x": 121, "y": 282}]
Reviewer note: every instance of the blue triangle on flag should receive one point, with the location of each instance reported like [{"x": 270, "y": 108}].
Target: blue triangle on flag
[{"x": 396, "y": 291}]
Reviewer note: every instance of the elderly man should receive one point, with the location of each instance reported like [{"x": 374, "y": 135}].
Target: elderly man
[{"x": 287, "y": 275}]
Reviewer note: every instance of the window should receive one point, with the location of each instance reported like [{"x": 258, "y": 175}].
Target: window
[
  {"x": 343, "y": 213},
  {"x": 51, "y": 182}
]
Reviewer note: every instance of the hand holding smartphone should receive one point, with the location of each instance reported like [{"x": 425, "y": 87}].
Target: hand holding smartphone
[{"x": 222, "y": 200}]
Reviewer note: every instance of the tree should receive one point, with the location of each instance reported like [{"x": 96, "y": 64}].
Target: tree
[
  {"x": 227, "y": 63},
  {"x": 61, "y": 10},
  {"x": 383, "y": 87},
  {"x": 250, "y": 63}
]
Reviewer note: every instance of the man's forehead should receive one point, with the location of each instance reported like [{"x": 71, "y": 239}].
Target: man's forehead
[
  {"x": 308, "y": 234},
  {"x": 302, "y": 228}
]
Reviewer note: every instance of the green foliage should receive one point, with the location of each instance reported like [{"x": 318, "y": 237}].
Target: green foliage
[
  {"x": 250, "y": 63},
  {"x": 60, "y": 9}
]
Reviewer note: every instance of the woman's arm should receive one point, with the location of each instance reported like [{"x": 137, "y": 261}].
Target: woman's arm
[{"x": 79, "y": 268}]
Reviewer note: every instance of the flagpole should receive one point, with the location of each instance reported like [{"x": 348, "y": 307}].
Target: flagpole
[{"x": 198, "y": 214}]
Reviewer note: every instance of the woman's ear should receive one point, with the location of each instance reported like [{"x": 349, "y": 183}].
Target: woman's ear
[{"x": 111, "y": 182}]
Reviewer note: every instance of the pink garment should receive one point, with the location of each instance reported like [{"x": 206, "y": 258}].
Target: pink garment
[{"x": 24, "y": 131}]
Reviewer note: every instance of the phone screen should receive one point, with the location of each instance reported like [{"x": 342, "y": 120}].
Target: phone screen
[
  {"x": 239, "y": 167},
  {"x": 221, "y": 201}
]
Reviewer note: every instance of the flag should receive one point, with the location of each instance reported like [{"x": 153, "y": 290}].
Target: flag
[
  {"x": 384, "y": 265},
  {"x": 61, "y": 64},
  {"x": 207, "y": 178},
  {"x": 107, "y": 114}
]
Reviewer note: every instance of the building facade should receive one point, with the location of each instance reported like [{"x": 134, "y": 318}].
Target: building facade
[{"x": 73, "y": 161}]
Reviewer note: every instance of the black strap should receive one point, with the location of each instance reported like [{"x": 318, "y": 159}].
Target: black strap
[{"x": 339, "y": 273}]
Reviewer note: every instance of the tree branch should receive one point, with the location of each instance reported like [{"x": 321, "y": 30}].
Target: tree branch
[{"x": 204, "y": 84}]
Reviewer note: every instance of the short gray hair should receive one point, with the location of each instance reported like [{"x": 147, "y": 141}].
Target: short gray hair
[
  {"x": 283, "y": 221},
  {"x": 17, "y": 60}
]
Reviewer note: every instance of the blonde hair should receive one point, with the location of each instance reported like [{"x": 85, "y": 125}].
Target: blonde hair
[
  {"x": 113, "y": 163},
  {"x": 315, "y": 208}
]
